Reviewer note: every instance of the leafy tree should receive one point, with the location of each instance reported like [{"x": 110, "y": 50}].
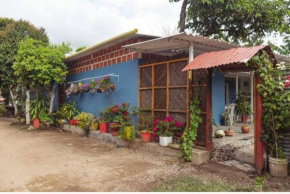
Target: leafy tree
[
  {"x": 11, "y": 33},
  {"x": 38, "y": 65},
  {"x": 238, "y": 21},
  {"x": 81, "y": 48}
]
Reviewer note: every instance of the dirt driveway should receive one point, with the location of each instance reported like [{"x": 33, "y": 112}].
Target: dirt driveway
[{"x": 50, "y": 160}]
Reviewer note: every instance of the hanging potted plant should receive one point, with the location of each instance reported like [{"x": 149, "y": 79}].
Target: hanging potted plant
[
  {"x": 92, "y": 86},
  {"x": 85, "y": 87},
  {"x": 229, "y": 132},
  {"x": 75, "y": 90},
  {"x": 69, "y": 91},
  {"x": 145, "y": 125},
  {"x": 104, "y": 84},
  {"x": 244, "y": 109},
  {"x": 164, "y": 130}
]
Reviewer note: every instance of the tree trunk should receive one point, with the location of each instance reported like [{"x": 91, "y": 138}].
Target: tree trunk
[
  {"x": 27, "y": 107},
  {"x": 52, "y": 96},
  {"x": 14, "y": 101},
  {"x": 183, "y": 16}
]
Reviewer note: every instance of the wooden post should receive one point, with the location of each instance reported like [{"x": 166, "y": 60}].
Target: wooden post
[
  {"x": 208, "y": 124},
  {"x": 258, "y": 128}
]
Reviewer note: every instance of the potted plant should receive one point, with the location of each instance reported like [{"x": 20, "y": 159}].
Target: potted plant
[
  {"x": 115, "y": 114},
  {"x": 85, "y": 87},
  {"x": 177, "y": 134},
  {"x": 45, "y": 119},
  {"x": 145, "y": 125},
  {"x": 229, "y": 132},
  {"x": 85, "y": 120},
  {"x": 164, "y": 130},
  {"x": 75, "y": 90},
  {"x": 95, "y": 124},
  {"x": 104, "y": 123},
  {"x": 36, "y": 107},
  {"x": 244, "y": 109},
  {"x": 128, "y": 132},
  {"x": 92, "y": 86},
  {"x": 219, "y": 133},
  {"x": 69, "y": 110},
  {"x": 104, "y": 84}
]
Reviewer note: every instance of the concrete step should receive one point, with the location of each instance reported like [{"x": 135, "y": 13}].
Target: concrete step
[
  {"x": 199, "y": 155},
  {"x": 245, "y": 154}
]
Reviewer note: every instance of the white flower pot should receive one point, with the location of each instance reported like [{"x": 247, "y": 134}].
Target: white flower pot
[
  {"x": 164, "y": 141},
  {"x": 278, "y": 167}
]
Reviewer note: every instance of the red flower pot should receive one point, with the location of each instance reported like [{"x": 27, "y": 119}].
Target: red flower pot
[
  {"x": 245, "y": 118},
  {"x": 104, "y": 127},
  {"x": 36, "y": 123},
  {"x": 115, "y": 128},
  {"x": 71, "y": 122},
  {"x": 146, "y": 137}
]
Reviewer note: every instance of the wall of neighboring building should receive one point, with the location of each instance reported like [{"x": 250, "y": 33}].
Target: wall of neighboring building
[
  {"x": 126, "y": 88},
  {"x": 218, "y": 95}
]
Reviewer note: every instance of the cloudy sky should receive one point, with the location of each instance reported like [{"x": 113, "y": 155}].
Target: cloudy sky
[{"x": 86, "y": 22}]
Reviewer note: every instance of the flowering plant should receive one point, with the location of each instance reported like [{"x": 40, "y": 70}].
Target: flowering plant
[
  {"x": 68, "y": 91},
  {"x": 75, "y": 89},
  {"x": 92, "y": 86},
  {"x": 85, "y": 87},
  {"x": 117, "y": 113},
  {"x": 167, "y": 127},
  {"x": 104, "y": 84}
]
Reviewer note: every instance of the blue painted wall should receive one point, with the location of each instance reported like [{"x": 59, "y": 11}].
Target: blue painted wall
[
  {"x": 126, "y": 90},
  {"x": 218, "y": 95}
]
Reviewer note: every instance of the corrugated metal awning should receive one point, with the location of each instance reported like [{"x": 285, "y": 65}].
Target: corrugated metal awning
[
  {"x": 240, "y": 55},
  {"x": 170, "y": 45}
]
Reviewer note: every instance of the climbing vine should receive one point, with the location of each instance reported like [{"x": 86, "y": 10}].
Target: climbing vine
[
  {"x": 275, "y": 109},
  {"x": 190, "y": 133}
]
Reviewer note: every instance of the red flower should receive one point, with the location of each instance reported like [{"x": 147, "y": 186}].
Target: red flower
[
  {"x": 125, "y": 113},
  {"x": 155, "y": 122},
  {"x": 170, "y": 119}
]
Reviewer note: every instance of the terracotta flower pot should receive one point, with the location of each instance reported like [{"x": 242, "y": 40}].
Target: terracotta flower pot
[
  {"x": 229, "y": 133},
  {"x": 104, "y": 127},
  {"x": 146, "y": 137},
  {"x": 36, "y": 123},
  {"x": 115, "y": 128},
  {"x": 245, "y": 129}
]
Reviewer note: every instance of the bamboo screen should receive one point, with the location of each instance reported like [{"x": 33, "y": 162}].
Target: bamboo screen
[
  {"x": 163, "y": 88},
  {"x": 166, "y": 91}
]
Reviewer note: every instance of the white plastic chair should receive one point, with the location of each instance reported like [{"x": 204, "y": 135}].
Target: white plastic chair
[{"x": 231, "y": 110}]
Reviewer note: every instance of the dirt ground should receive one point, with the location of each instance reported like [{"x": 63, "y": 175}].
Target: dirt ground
[{"x": 50, "y": 160}]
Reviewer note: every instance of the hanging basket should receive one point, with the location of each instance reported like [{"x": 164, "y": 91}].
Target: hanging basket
[
  {"x": 86, "y": 90},
  {"x": 76, "y": 93}
]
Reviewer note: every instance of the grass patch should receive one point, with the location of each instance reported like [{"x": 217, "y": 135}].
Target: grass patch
[
  {"x": 191, "y": 184},
  {"x": 19, "y": 126},
  {"x": 16, "y": 124}
]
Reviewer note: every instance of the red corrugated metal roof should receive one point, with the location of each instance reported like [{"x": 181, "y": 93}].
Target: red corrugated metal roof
[{"x": 218, "y": 58}]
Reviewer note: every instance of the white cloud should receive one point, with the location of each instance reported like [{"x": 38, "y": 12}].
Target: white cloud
[{"x": 86, "y": 22}]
